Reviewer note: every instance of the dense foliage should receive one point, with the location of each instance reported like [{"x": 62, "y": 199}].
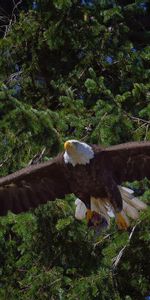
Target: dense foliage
[{"x": 72, "y": 69}]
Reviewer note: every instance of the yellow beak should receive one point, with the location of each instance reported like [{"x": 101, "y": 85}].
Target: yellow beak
[{"x": 68, "y": 145}]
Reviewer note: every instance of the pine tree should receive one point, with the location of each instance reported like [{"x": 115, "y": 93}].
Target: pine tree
[{"x": 72, "y": 69}]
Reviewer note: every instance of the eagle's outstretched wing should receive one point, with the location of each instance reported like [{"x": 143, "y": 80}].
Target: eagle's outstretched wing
[
  {"x": 34, "y": 185},
  {"x": 130, "y": 161},
  {"x": 109, "y": 167}
]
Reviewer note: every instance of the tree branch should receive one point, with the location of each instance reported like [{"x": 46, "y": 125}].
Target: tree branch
[
  {"x": 12, "y": 17},
  {"x": 117, "y": 259}
]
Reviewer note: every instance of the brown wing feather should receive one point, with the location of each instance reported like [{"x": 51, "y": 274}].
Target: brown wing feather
[
  {"x": 34, "y": 185},
  {"x": 130, "y": 161}
]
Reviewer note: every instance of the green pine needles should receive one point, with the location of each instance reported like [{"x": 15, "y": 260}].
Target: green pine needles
[{"x": 73, "y": 69}]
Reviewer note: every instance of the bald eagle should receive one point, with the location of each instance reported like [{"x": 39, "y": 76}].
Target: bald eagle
[{"x": 92, "y": 173}]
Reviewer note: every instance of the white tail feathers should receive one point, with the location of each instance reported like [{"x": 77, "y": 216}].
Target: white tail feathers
[
  {"x": 138, "y": 203},
  {"x": 131, "y": 204},
  {"x": 81, "y": 209},
  {"x": 131, "y": 211}
]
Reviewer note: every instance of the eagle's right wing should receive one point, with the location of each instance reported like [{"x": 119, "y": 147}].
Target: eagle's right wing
[{"x": 34, "y": 185}]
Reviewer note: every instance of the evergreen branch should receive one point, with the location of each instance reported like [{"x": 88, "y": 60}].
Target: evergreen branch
[
  {"x": 9, "y": 157},
  {"x": 135, "y": 119},
  {"x": 147, "y": 128},
  {"x": 4, "y": 161}
]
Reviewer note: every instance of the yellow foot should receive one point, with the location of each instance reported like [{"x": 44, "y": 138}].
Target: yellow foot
[
  {"x": 89, "y": 215},
  {"x": 121, "y": 221}
]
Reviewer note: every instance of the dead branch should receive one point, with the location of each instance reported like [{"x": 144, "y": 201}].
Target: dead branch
[
  {"x": 136, "y": 119},
  {"x": 12, "y": 18},
  {"x": 37, "y": 157},
  {"x": 117, "y": 259}
]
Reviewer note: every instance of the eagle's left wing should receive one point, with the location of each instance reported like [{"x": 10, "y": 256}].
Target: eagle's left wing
[{"x": 129, "y": 161}]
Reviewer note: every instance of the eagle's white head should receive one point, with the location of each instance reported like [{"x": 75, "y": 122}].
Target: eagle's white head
[{"x": 77, "y": 152}]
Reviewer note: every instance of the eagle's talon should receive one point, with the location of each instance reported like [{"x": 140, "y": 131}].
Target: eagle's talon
[
  {"x": 121, "y": 222},
  {"x": 89, "y": 215}
]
